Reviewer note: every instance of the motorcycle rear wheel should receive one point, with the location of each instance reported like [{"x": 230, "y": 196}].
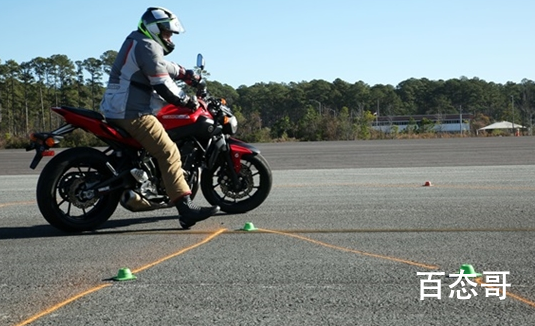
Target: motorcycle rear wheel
[
  {"x": 60, "y": 190},
  {"x": 255, "y": 184}
]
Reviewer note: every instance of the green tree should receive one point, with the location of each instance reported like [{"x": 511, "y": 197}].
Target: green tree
[
  {"x": 2, "y": 92},
  {"x": 39, "y": 66},
  {"x": 11, "y": 69},
  {"x": 345, "y": 125},
  {"x": 281, "y": 128},
  {"x": 107, "y": 59},
  {"x": 309, "y": 126},
  {"x": 426, "y": 126},
  {"x": 94, "y": 67},
  {"x": 27, "y": 79},
  {"x": 66, "y": 77},
  {"x": 218, "y": 90},
  {"x": 364, "y": 122}
]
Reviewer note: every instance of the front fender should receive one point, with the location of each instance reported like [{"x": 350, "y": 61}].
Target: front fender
[
  {"x": 235, "y": 149},
  {"x": 239, "y": 148}
]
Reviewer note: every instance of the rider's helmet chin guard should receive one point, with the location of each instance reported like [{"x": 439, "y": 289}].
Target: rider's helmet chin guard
[{"x": 156, "y": 20}]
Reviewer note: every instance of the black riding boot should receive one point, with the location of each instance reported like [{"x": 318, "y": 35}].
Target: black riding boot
[{"x": 191, "y": 213}]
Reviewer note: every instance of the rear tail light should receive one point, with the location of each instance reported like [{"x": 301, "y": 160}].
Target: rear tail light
[{"x": 48, "y": 153}]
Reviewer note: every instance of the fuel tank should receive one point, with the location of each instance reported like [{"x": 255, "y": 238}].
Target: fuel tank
[{"x": 182, "y": 122}]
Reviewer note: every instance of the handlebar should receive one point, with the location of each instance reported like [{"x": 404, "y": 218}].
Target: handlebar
[{"x": 202, "y": 92}]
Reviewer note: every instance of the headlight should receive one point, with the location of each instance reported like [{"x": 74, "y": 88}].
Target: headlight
[
  {"x": 230, "y": 125},
  {"x": 233, "y": 124}
]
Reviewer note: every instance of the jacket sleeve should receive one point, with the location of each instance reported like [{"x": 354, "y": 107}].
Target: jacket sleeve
[
  {"x": 168, "y": 95},
  {"x": 176, "y": 71}
]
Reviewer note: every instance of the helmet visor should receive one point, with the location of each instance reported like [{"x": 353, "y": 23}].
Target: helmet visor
[{"x": 172, "y": 25}]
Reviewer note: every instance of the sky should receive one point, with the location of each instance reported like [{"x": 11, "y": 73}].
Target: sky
[{"x": 283, "y": 41}]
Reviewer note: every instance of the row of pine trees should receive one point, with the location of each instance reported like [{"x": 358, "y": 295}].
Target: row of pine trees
[{"x": 305, "y": 111}]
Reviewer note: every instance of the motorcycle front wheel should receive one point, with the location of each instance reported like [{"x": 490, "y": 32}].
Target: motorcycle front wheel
[
  {"x": 254, "y": 185},
  {"x": 62, "y": 195}
]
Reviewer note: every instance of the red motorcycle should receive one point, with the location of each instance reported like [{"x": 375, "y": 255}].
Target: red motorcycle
[{"x": 80, "y": 188}]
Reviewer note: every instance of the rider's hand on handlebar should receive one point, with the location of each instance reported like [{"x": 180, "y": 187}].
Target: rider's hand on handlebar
[
  {"x": 191, "y": 78},
  {"x": 191, "y": 103}
]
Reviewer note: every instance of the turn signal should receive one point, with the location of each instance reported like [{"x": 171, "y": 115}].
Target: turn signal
[
  {"x": 225, "y": 120},
  {"x": 223, "y": 101},
  {"x": 50, "y": 142},
  {"x": 32, "y": 137}
]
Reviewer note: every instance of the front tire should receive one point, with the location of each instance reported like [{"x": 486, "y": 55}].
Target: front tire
[
  {"x": 254, "y": 185},
  {"x": 60, "y": 190}
]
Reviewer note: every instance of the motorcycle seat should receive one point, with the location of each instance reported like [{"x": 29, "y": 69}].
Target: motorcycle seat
[
  {"x": 97, "y": 116},
  {"x": 84, "y": 112}
]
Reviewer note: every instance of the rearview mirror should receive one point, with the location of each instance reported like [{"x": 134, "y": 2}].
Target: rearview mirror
[{"x": 200, "y": 61}]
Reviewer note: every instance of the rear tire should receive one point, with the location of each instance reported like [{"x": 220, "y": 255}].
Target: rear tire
[
  {"x": 255, "y": 184},
  {"x": 60, "y": 190}
]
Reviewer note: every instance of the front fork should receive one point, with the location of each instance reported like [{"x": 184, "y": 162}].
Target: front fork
[{"x": 233, "y": 150}]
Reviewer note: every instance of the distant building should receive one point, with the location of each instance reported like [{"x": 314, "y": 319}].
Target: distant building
[{"x": 452, "y": 123}]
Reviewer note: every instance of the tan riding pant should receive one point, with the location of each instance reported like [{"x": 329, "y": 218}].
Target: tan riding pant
[{"x": 150, "y": 133}]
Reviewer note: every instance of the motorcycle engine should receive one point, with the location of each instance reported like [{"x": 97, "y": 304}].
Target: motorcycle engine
[{"x": 189, "y": 153}]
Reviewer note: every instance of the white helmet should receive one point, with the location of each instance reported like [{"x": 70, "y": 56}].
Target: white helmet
[{"x": 158, "y": 19}]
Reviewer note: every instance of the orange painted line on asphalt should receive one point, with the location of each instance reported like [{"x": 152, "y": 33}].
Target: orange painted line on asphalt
[
  {"x": 521, "y": 299},
  {"x": 100, "y": 287},
  {"x": 62, "y": 304},
  {"x": 180, "y": 252},
  {"x": 363, "y": 253},
  {"x": 17, "y": 203},
  {"x": 509, "y": 294},
  {"x": 399, "y": 260}
]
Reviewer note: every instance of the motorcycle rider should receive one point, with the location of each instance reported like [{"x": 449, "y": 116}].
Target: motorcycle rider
[{"x": 140, "y": 77}]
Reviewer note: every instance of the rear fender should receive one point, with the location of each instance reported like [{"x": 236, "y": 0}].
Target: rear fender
[{"x": 94, "y": 122}]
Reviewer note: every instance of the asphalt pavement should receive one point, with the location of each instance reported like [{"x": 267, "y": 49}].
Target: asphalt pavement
[{"x": 340, "y": 240}]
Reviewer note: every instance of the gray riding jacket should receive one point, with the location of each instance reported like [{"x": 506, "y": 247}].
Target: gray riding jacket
[{"x": 139, "y": 66}]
